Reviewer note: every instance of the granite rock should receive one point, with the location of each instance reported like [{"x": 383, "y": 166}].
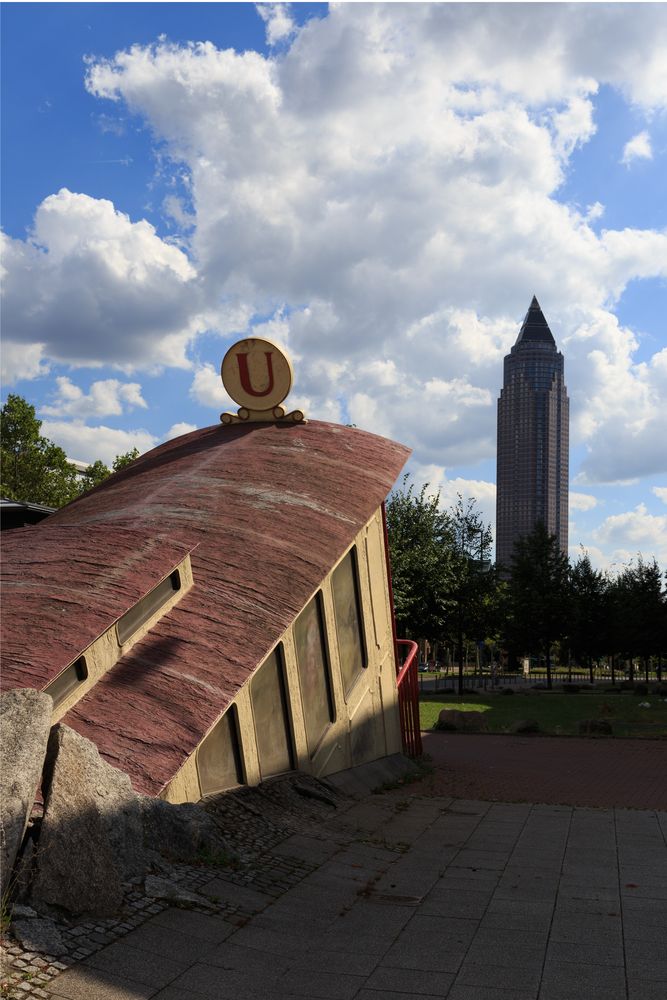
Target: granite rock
[{"x": 25, "y": 720}]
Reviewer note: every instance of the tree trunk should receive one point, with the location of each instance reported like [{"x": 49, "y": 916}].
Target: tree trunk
[
  {"x": 659, "y": 670},
  {"x": 460, "y": 638},
  {"x": 548, "y": 665},
  {"x": 631, "y": 677},
  {"x": 612, "y": 661},
  {"x": 590, "y": 668},
  {"x": 646, "y": 662}
]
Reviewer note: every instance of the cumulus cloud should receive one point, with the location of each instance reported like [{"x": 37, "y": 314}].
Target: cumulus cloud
[
  {"x": 660, "y": 492},
  {"x": 278, "y": 20},
  {"x": 382, "y": 197},
  {"x": 582, "y": 501},
  {"x": 22, "y": 361},
  {"x": 176, "y": 430},
  {"x": 637, "y": 148},
  {"x": 107, "y": 397},
  {"x": 207, "y": 388},
  {"x": 93, "y": 287},
  {"x": 83, "y": 443},
  {"x": 632, "y": 533},
  {"x": 418, "y": 242}
]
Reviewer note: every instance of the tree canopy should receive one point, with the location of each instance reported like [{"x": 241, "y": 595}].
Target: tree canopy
[{"x": 34, "y": 469}]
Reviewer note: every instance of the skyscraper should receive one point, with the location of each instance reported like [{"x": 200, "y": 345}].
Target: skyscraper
[{"x": 533, "y": 433}]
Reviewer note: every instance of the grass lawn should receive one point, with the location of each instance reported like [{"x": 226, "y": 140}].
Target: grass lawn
[{"x": 557, "y": 714}]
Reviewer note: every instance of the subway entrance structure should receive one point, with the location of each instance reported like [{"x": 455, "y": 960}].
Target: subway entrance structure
[{"x": 220, "y": 611}]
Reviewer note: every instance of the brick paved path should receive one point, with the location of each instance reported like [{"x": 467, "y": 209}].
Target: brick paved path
[{"x": 557, "y": 770}]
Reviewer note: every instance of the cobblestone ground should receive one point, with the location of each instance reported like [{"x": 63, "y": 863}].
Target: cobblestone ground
[{"x": 252, "y": 821}]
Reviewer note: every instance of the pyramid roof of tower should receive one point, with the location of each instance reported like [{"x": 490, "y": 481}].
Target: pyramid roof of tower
[{"x": 535, "y": 326}]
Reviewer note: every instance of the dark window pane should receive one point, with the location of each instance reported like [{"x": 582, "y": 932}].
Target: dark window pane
[
  {"x": 313, "y": 672},
  {"x": 133, "y": 619},
  {"x": 67, "y": 681},
  {"x": 269, "y": 707},
  {"x": 219, "y": 757},
  {"x": 351, "y": 645}
]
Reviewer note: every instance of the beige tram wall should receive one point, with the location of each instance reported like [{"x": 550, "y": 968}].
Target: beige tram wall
[{"x": 363, "y": 723}]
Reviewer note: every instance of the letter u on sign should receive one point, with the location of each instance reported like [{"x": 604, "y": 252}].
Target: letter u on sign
[
  {"x": 256, "y": 374},
  {"x": 244, "y": 375}
]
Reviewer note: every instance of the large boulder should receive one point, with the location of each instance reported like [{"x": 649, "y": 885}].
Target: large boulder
[
  {"x": 91, "y": 839},
  {"x": 183, "y": 832},
  {"x": 25, "y": 720},
  {"x": 467, "y": 722}
]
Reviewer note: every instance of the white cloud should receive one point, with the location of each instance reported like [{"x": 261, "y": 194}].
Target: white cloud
[
  {"x": 22, "y": 361},
  {"x": 176, "y": 430},
  {"x": 637, "y": 148},
  {"x": 207, "y": 389},
  {"x": 633, "y": 532},
  {"x": 94, "y": 287},
  {"x": 83, "y": 443},
  {"x": 660, "y": 492},
  {"x": 386, "y": 190},
  {"x": 582, "y": 501},
  {"x": 278, "y": 20},
  {"x": 107, "y": 397},
  {"x": 384, "y": 194}
]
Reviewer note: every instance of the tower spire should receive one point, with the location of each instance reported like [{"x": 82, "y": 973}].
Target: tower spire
[{"x": 535, "y": 326}]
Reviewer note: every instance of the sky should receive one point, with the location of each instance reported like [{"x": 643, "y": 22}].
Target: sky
[{"x": 381, "y": 189}]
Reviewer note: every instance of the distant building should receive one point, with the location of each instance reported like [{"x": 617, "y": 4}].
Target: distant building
[{"x": 533, "y": 439}]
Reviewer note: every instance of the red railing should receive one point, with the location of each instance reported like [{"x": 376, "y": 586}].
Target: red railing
[{"x": 407, "y": 682}]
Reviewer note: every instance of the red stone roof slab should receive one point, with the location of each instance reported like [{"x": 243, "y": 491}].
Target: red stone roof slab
[
  {"x": 266, "y": 511},
  {"x": 65, "y": 586}
]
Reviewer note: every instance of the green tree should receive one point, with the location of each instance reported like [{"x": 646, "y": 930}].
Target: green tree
[
  {"x": 538, "y": 594},
  {"x": 588, "y": 612},
  {"x": 94, "y": 475},
  {"x": 122, "y": 461},
  {"x": 34, "y": 469},
  {"x": 471, "y": 596},
  {"x": 421, "y": 546}
]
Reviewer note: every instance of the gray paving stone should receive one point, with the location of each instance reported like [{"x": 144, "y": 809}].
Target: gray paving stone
[
  {"x": 484, "y": 860},
  {"x": 641, "y": 989},
  {"x": 312, "y": 984},
  {"x": 518, "y": 914},
  {"x": 353, "y": 962},
  {"x": 214, "y": 983},
  {"x": 234, "y": 957},
  {"x": 489, "y": 993},
  {"x": 417, "y": 981},
  {"x": 515, "y": 956},
  {"x": 597, "y": 952},
  {"x": 366, "y": 994},
  {"x": 448, "y": 903},
  {"x": 576, "y": 927},
  {"x": 172, "y": 944},
  {"x": 135, "y": 964},
  {"x": 83, "y": 983},
  {"x": 432, "y": 957},
  {"x": 241, "y": 895},
  {"x": 199, "y": 925},
  {"x": 176, "y": 993},
  {"x": 498, "y": 977},
  {"x": 577, "y": 980}
]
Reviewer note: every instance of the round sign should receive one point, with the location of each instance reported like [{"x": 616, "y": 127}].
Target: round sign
[{"x": 256, "y": 374}]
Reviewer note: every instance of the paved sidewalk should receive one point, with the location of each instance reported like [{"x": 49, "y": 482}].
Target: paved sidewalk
[{"x": 416, "y": 896}]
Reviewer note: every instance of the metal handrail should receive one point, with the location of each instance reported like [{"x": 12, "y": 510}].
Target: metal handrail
[{"x": 407, "y": 682}]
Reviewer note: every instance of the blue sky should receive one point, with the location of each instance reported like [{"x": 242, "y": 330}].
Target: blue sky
[{"x": 380, "y": 187}]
